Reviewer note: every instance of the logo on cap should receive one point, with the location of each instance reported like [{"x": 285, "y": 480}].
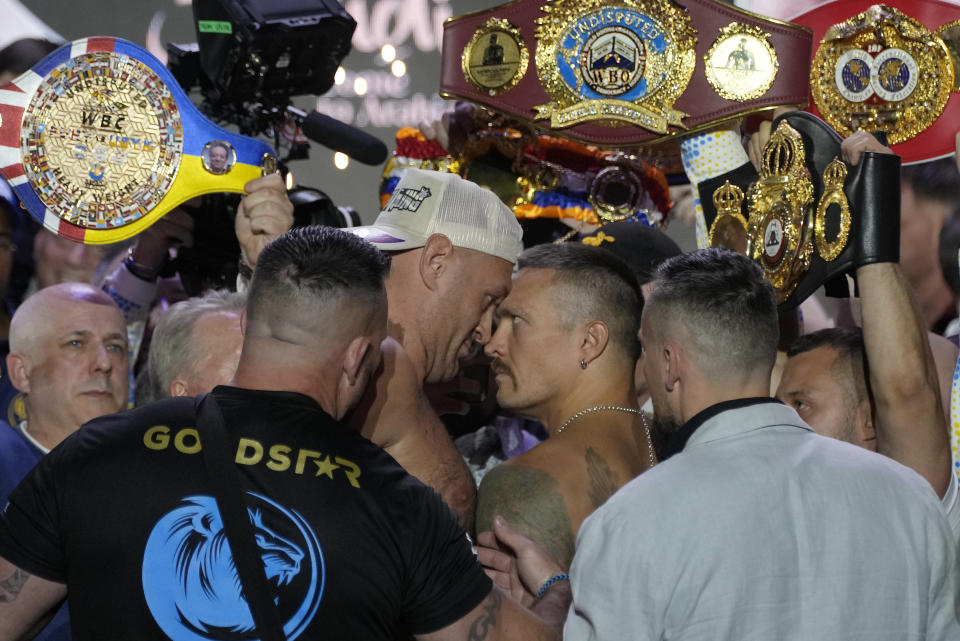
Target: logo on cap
[{"x": 408, "y": 199}]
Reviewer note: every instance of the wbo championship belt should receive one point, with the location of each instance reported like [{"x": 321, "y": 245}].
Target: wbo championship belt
[
  {"x": 624, "y": 72},
  {"x": 98, "y": 141},
  {"x": 807, "y": 218},
  {"x": 889, "y": 67}
]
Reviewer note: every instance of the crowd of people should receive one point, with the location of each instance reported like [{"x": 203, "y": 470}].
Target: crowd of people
[{"x": 274, "y": 462}]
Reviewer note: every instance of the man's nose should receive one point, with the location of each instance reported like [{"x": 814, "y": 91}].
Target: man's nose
[{"x": 483, "y": 332}]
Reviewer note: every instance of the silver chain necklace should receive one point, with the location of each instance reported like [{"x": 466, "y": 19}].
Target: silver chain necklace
[{"x": 615, "y": 408}]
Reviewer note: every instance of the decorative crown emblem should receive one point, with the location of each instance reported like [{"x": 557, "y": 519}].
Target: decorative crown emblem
[
  {"x": 835, "y": 174},
  {"x": 783, "y": 154},
  {"x": 728, "y": 199}
]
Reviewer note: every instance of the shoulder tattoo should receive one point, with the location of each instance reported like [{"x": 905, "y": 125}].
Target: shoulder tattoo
[
  {"x": 603, "y": 485},
  {"x": 529, "y": 499}
]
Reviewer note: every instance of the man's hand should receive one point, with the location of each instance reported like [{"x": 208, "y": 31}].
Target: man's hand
[
  {"x": 265, "y": 212},
  {"x": 515, "y": 563},
  {"x": 759, "y": 139},
  {"x": 857, "y": 143}
]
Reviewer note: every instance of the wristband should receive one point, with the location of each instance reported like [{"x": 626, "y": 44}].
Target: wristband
[{"x": 546, "y": 586}]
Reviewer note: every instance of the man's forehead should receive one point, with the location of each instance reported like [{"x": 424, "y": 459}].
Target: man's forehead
[
  {"x": 86, "y": 316},
  {"x": 531, "y": 288},
  {"x": 810, "y": 369}
]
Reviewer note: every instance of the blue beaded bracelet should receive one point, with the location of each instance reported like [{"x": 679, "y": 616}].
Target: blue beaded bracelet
[{"x": 551, "y": 581}]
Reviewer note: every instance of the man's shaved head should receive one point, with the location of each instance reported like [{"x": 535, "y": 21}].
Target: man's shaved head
[
  {"x": 34, "y": 314},
  {"x": 68, "y": 357}
]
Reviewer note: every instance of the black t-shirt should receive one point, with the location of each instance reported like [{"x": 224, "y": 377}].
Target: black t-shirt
[{"x": 353, "y": 546}]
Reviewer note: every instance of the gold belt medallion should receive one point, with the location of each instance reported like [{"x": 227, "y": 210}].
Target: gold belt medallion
[
  {"x": 741, "y": 64},
  {"x": 881, "y": 70},
  {"x": 781, "y": 212},
  {"x": 496, "y": 58},
  {"x": 614, "y": 62},
  {"x": 101, "y": 140}
]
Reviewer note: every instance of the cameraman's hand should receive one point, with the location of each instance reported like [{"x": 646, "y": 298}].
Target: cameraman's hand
[
  {"x": 175, "y": 229},
  {"x": 265, "y": 212}
]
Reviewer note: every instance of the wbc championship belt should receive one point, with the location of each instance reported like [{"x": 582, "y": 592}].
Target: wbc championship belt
[
  {"x": 624, "y": 72},
  {"x": 888, "y": 67},
  {"x": 807, "y": 218},
  {"x": 98, "y": 141}
]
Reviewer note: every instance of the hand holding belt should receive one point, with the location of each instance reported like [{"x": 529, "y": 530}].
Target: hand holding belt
[
  {"x": 623, "y": 72},
  {"x": 98, "y": 142},
  {"x": 810, "y": 218}
]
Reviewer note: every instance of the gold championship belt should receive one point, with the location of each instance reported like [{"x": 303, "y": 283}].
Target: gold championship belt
[
  {"x": 807, "y": 218},
  {"x": 98, "y": 141},
  {"x": 623, "y": 72},
  {"x": 891, "y": 68}
]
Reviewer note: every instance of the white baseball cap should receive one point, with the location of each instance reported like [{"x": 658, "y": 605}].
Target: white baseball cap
[{"x": 432, "y": 202}]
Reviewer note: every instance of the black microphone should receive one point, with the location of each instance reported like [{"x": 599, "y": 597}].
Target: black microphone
[{"x": 340, "y": 136}]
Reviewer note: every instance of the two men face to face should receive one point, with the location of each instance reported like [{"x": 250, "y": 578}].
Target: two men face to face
[{"x": 464, "y": 311}]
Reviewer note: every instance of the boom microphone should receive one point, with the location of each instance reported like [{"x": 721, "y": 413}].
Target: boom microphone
[{"x": 342, "y": 137}]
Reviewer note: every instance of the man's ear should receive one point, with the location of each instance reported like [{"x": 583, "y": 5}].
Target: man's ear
[
  {"x": 596, "y": 336},
  {"x": 18, "y": 369},
  {"x": 435, "y": 259},
  {"x": 243, "y": 321},
  {"x": 179, "y": 387},
  {"x": 866, "y": 429},
  {"x": 354, "y": 358},
  {"x": 672, "y": 363}
]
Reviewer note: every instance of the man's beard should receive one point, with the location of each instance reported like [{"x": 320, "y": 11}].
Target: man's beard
[{"x": 663, "y": 430}]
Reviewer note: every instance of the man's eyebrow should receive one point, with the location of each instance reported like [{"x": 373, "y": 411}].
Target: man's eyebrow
[{"x": 504, "y": 309}]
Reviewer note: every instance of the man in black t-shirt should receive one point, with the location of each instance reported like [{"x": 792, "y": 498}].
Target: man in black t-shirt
[{"x": 123, "y": 517}]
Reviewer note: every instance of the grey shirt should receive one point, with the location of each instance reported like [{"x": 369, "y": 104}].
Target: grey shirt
[{"x": 761, "y": 529}]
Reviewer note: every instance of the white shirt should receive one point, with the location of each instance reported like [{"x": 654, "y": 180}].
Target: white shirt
[
  {"x": 762, "y": 530},
  {"x": 951, "y": 506}
]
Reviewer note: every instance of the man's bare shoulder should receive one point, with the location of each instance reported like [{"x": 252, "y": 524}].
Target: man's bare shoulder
[
  {"x": 533, "y": 500},
  {"x": 553, "y": 456},
  {"x": 393, "y": 398}
]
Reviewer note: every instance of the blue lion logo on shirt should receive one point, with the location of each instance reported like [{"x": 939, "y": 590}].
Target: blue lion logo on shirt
[{"x": 191, "y": 583}]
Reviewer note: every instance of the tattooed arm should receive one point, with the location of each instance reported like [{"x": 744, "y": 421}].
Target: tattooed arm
[
  {"x": 498, "y": 617},
  {"x": 24, "y": 601},
  {"x": 531, "y": 501}
]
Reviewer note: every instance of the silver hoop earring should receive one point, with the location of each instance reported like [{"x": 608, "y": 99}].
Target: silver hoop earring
[{"x": 583, "y": 364}]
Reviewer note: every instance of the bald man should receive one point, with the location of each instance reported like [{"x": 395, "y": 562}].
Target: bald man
[{"x": 68, "y": 357}]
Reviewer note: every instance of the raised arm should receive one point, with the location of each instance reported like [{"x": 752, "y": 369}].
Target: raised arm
[{"x": 903, "y": 378}]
